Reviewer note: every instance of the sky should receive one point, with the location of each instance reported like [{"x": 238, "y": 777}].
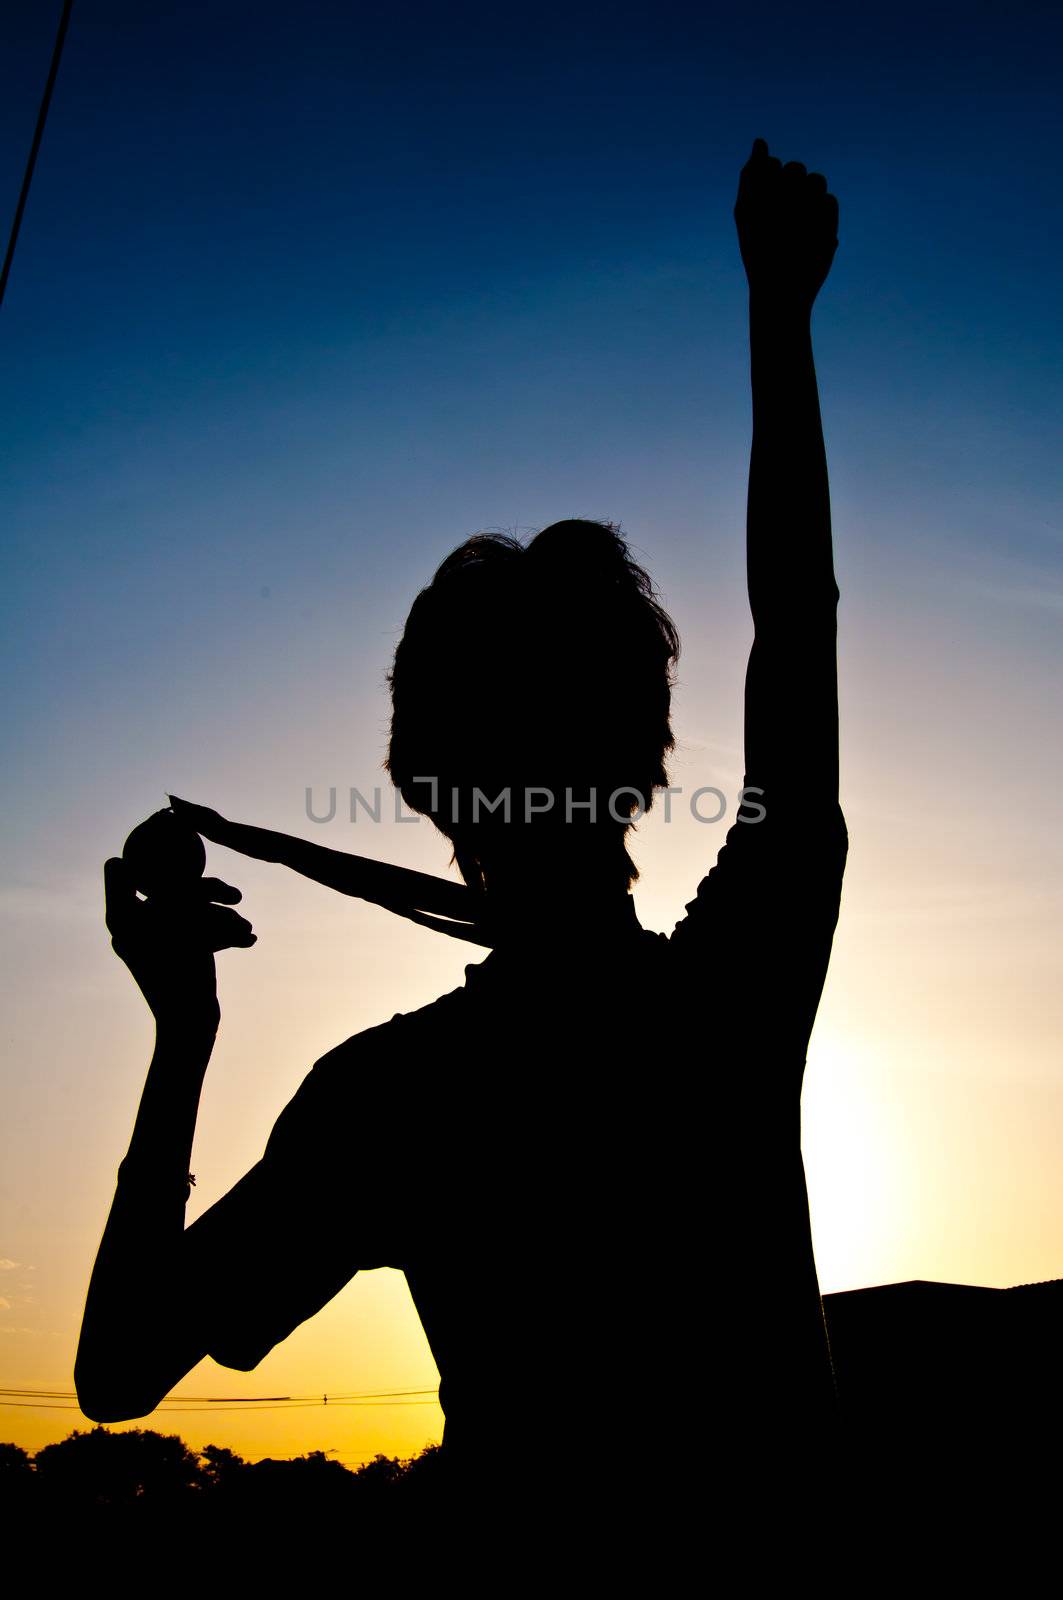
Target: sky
[{"x": 306, "y": 295}]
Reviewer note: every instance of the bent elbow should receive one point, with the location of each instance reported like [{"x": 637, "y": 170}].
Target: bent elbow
[
  {"x": 104, "y": 1411},
  {"x": 107, "y": 1395},
  {"x": 111, "y": 1404}
]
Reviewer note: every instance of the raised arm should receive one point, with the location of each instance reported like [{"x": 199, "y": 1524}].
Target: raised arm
[
  {"x": 138, "y": 1334},
  {"x": 787, "y": 228},
  {"x": 284, "y": 1239}
]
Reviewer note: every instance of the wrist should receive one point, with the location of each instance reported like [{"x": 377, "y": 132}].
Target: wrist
[
  {"x": 775, "y": 308},
  {"x": 145, "y": 1172},
  {"x": 192, "y": 1028}
]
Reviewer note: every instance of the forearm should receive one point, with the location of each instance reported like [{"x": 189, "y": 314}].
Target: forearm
[
  {"x": 792, "y": 685},
  {"x": 790, "y": 558},
  {"x": 165, "y": 1126},
  {"x": 133, "y": 1346}
]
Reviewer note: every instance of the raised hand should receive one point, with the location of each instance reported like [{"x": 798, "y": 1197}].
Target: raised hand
[
  {"x": 168, "y": 942},
  {"x": 787, "y": 228}
]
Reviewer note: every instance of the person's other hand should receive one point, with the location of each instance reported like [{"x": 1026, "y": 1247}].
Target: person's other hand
[
  {"x": 169, "y": 943},
  {"x": 787, "y": 228}
]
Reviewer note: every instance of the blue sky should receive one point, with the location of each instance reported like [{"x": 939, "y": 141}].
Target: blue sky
[{"x": 304, "y": 296}]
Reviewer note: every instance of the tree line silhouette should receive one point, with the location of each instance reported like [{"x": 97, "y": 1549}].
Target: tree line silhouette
[{"x": 140, "y": 1473}]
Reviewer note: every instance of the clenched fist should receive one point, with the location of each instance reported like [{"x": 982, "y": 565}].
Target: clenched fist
[{"x": 787, "y": 229}]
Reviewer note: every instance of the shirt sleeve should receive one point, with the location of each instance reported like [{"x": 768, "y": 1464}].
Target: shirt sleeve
[
  {"x": 761, "y": 925},
  {"x": 296, "y": 1228}
]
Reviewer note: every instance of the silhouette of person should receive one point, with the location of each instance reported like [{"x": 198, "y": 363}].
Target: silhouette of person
[{"x": 587, "y": 1158}]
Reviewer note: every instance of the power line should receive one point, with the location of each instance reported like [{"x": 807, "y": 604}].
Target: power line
[
  {"x": 41, "y": 1405},
  {"x": 180, "y": 1411},
  {"x": 177, "y": 1405},
  {"x": 321, "y": 1396},
  {"x": 42, "y": 117}
]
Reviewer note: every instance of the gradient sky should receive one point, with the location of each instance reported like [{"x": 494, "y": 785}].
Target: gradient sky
[{"x": 305, "y": 295}]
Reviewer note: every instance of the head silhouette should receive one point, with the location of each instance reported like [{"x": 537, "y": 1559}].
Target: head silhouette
[{"x": 531, "y": 695}]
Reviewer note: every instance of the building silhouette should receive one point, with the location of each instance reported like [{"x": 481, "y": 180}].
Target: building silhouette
[{"x": 915, "y": 1360}]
